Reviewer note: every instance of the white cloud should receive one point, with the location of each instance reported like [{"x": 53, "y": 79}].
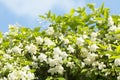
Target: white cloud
[{"x": 32, "y": 8}]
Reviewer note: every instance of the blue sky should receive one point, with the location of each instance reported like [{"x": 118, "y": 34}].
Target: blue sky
[{"x": 25, "y": 12}]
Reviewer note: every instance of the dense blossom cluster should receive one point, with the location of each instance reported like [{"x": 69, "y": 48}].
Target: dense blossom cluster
[{"x": 27, "y": 54}]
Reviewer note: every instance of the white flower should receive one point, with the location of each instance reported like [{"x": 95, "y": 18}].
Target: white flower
[
  {"x": 110, "y": 21},
  {"x": 50, "y": 31},
  {"x": 52, "y": 71},
  {"x": 59, "y": 69},
  {"x": 21, "y": 74},
  {"x": 30, "y": 76},
  {"x": 48, "y": 42},
  {"x": 70, "y": 49},
  {"x": 82, "y": 64},
  {"x": 93, "y": 34},
  {"x": 39, "y": 40},
  {"x": 117, "y": 62},
  {"x": 70, "y": 64},
  {"x": 85, "y": 36},
  {"x": 101, "y": 66},
  {"x": 61, "y": 37},
  {"x": 31, "y": 48},
  {"x": 90, "y": 58},
  {"x": 84, "y": 52},
  {"x": 118, "y": 78},
  {"x": 112, "y": 28},
  {"x": 7, "y": 56},
  {"x": 34, "y": 58},
  {"x": 66, "y": 41},
  {"x": 57, "y": 51},
  {"x": 80, "y": 41},
  {"x": 93, "y": 47},
  {"x": 26, "y": 68},
  {"x": 96, "y": 63},
  {"x": 54, "y": 62},
  {"x": 8, "y": 66},
  {"x": 64, "y": 55},
  {"x": 9, "y": 51},
  {"x": 16, "y": 49},
  {"x": 20, "y": 45},
  {"x": 42, "y": 57},
  {"x": 87, "y": 61}
]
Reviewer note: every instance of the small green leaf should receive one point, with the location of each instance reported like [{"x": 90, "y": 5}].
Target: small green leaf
[
  {"x": 36, "y": 29},
  {"x": 72, "y": 11},
  {"x": 91, "y": 6},
  {"x": 60, "y": 78}
]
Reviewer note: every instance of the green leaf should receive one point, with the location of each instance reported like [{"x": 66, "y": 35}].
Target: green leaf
[
  {"x": 91, "y": 6},
  {"x": 49, "y": 14},
  {"x": 118, "y": 49},
  {"x": 72, "y": 11},
  {"x": 1, "y": 35},
  {"x": 60, "y": 78},
  {"x": 114, "y": 57},
  {"x": 36, "y": 29}
]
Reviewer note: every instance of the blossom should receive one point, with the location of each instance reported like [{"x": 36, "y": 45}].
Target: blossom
[
  {"x": 93, "y": 47},
  {"x": 101, "y": 66},
  {"x": 31, "y": 48},
  {"x": 82, "y": 64},
  {"x": 84, "y": 52},
  {"x": 42, "y": 57},
  {"x": 85, "y": 36},
  {"x": 16, "y": 49},
  {"x": 118, "y": 78},
  {"x": 52, "y": 71},
  {"x": 48, "y": 42},
  {"x": 9, "y": 51},
  {"x": 66, "y": 41},
  {"x": 57, "y": 69},
  {"x": 34, "y": 58},
  {"x": 7, "y": 56},
  {"x": 70, "y": 64},
  {"x": 94, "y": 64},
  {"x": 50, "y": 31},
  {"x": 80, "y": 41},
  {"x": 90, "y": 58},
  {"x": 110, "y": 21},
  {"x": 117, "y": 62},
  {"x": 64, "y": 55},
  {"x": 39, "y": 40},
  {"x": 61, "y": 37},
  {"x": 112, "y": 28},
  {"x": 56, "y": 61},
  {"x": 57, "y": 51},
  {"x": 87, "y": 61},
  {"x": 70, "y": 49},
  {"x": 21, "y": 75},
  {"x": 94, "y": 34}
]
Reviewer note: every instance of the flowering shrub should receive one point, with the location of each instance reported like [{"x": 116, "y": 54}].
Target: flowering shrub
[{"x": 75, "y": 46}]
